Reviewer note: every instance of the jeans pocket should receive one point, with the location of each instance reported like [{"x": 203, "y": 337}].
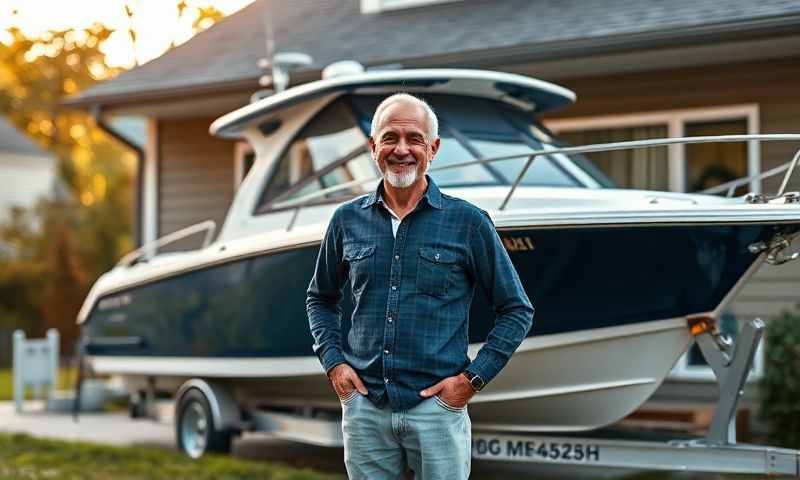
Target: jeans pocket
[
  {"x": 348, "y": 399},
  {"x": 450, "y": 408}
]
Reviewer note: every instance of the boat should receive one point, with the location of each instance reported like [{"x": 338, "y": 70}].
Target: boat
[{"x": 617, "y": 276}]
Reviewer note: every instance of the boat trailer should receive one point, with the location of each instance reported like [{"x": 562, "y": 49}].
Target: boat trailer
[{"x": 718, "y": 452}]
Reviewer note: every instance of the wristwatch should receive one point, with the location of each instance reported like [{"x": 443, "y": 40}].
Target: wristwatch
[{"x": 475, "y": 380}]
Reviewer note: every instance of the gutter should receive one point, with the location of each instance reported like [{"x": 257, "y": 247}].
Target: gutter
[
  {"x": 96, "y": 112},
  {"x": 752, "y": 29}
]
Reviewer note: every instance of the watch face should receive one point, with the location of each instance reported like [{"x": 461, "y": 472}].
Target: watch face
[{"x": 477, "y": 382}]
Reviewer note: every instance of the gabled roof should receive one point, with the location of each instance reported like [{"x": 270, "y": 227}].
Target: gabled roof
[
  {"x": 14, "y": 141},
  {"x": 465, "y": 33}
]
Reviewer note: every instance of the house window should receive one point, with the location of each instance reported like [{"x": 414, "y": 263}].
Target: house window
[
  {"x": 680, "y": 168},
  {"x": 377, "y": 6},
  {"x": 644, "y": 168},
  {"x": 711, "y": 164}
]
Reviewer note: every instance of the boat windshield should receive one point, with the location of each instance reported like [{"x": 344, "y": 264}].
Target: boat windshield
[{"x": 332, "y": 149}]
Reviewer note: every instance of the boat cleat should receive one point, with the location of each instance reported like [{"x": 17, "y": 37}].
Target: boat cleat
[{"x": 776, "y": 247}]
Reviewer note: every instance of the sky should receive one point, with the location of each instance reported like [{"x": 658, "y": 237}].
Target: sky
[{"x": 156, "y": 22}]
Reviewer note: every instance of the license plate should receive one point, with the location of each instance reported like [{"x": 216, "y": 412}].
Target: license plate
[{"x": 533, "y": 449}]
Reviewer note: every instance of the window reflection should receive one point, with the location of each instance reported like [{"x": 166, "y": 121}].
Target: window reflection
[
  {"x": 542, "y": 171},
  {"x": 452, "y": 152},
  {"x": 329, "y": 151}
]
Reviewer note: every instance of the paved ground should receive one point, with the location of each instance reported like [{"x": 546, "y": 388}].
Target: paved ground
[{"x": 119, "y": 429}]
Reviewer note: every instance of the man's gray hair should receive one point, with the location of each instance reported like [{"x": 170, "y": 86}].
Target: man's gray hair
[{"x": 433, "y": 122}]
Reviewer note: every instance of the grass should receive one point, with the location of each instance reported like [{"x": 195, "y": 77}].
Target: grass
[
  {"x": 22, "y": 456},
  {"x": 66, "y": 380}
]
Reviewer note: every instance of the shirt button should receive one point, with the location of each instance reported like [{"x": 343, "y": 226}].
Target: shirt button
[
  {"x": 390, "y": 319},
  {"x": 394, "y": 287},
  {"x": 397, "y": 257},
  {"x": 386, "y": 380},
  {"x": 386, "y": 351}
]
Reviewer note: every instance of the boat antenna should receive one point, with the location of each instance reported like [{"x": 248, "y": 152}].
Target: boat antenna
[{"x": 276, "y": 66}]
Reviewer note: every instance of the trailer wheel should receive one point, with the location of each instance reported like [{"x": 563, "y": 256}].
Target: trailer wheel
[{"x": 194, "y": 427}]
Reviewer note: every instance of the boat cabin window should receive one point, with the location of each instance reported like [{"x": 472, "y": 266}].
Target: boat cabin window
[{"x": 332, "y": 150}]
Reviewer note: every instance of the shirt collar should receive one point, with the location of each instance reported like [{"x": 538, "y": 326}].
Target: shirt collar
[{"x": 432, "y": 195}]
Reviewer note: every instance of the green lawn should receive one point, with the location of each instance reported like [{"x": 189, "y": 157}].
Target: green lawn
[
  {"x": 66, "y": 380},
  {"x": 22, "y": 456}
]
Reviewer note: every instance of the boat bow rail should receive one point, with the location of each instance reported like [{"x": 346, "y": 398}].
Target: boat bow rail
[{"x": 151, "y": 248}]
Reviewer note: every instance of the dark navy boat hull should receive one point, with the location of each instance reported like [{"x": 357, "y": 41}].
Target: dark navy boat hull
[{"x": 577, "y": 278}]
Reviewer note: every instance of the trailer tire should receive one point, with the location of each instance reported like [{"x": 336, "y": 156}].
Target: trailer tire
[{"x": 195, "y": 430}]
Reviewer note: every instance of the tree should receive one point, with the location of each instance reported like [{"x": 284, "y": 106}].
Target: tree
[{"x": 59, "y": 248}]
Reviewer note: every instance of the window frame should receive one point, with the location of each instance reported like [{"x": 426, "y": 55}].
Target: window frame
[
  {"x": 676, "y": 121},
  {"x": 582, "y": 179},
  {"x": 240, "y": 151},
  {"x": 263, "y": 208}
]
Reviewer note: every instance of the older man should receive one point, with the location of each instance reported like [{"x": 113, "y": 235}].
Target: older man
[{"x": 412, "y": 256}]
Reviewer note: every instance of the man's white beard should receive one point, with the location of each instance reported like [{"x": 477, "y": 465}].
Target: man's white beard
[{"x": 403, "y": 180}]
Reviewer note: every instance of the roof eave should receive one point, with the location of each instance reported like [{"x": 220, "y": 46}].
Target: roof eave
[{"x": 531, "y": 52}]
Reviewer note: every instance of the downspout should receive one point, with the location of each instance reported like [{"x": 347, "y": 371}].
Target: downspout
[{"x": 97, "y": 114}]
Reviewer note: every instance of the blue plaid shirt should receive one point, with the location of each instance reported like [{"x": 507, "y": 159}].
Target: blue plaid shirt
[{"x": 411, "y": 295}]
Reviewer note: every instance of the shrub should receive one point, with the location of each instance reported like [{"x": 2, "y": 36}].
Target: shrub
[{"x": 781, "y": 382}]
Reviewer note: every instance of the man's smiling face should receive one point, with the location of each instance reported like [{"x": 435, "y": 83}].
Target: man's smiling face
[{"x": 401, "y": 146}]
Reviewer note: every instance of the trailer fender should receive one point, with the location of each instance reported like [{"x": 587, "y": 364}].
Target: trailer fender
[{"x": 224, "y": 409}]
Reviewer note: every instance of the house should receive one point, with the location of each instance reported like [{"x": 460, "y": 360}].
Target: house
[
  {"x": 640, "y": 68},
  {"x": 27, "y": 172}
]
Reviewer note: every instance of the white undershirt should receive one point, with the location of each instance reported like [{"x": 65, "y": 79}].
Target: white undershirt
[{"x": 395, "y": 218}]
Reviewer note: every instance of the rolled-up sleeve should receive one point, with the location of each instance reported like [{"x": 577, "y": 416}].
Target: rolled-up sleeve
[
  {"x": 514, "y": 313},
  {"x": 323, "y": 298}
]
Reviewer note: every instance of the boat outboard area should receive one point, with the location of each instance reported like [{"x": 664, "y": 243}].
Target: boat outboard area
[{"x": 612, "y": 272}]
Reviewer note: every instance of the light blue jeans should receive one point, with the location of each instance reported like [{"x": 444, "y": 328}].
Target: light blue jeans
[{"x": 433, "y": 437}]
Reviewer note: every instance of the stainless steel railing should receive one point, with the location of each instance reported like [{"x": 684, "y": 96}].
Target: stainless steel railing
[
  {"x": 209, "y": 226},
  {"x": 312, "y": 197},
  {"x": 149, "y": 249}
]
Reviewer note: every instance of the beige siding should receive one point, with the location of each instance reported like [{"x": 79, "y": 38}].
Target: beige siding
[
  {"x": 772, "y": 290},
  {"x": 195, "y": 176}
]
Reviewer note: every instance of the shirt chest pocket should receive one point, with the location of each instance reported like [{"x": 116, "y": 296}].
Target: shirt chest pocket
[
  {"x": 435, "y": 271},
  {"x": 360, "y": 261}
]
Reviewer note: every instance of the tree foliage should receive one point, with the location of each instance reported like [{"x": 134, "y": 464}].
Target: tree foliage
[
  {"x": 50, "y": 255},
  {"x": 61, "y": 246},
  {"x": 780, "y": 384}
]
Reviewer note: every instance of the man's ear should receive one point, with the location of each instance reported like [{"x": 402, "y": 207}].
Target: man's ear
[
  {"x": 435, "y": 147},
  {"x": 372, "y": 147}
]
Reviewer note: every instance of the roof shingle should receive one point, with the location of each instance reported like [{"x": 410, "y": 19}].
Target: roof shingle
[{"x": 461, "y": 33}]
